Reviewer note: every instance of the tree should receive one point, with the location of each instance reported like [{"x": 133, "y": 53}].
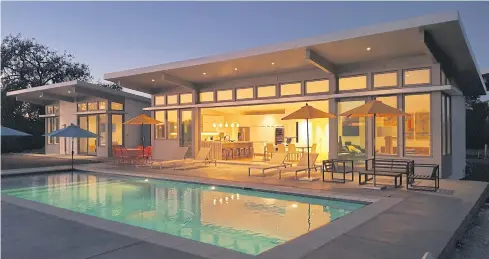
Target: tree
[
  {"x": 110, "y": 85},
  {"x": 25, "y": 63},
  {"x": 477, "y": 122}
]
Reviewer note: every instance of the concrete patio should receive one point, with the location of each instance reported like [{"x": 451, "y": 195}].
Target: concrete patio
[{"x": 415, "y": 225}]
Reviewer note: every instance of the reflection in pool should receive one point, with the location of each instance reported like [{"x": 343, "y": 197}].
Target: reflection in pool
[{"x": 247, "y": 221}]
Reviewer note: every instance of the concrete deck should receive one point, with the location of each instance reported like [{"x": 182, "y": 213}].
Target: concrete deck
[
  {"x": 421, "y": 222},
  {"x": 29, "y": 161}
]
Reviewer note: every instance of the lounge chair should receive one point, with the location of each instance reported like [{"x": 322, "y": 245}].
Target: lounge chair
[
  {"x": 178, "y": 155},
  {"x": 301, "y": 165},
  {"x": 202, "y": 157},
  {"x": 277, "y": 161}
]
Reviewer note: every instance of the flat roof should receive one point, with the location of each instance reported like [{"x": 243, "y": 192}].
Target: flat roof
[
  {"x": 71, "y": 91},
  {"x": 387, "y": 41}
]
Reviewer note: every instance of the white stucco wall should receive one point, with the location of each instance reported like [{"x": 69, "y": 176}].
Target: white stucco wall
[
  {"x": 458, "y": 137},
  {"x": 132, "y": 133}
]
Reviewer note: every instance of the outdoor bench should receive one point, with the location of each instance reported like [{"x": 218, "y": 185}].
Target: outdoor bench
[{"x": 386, "y": 167}]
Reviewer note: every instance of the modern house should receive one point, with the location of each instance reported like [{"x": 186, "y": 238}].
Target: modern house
[
  {"x": 234, "y": 102},
  {"x": 95, "y": 108}
]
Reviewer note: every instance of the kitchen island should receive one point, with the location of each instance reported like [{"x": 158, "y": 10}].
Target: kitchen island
[{"x": 222, "y": 150}]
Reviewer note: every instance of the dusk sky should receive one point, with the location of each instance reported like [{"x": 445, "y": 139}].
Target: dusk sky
[{"x": 112, "y": 36}]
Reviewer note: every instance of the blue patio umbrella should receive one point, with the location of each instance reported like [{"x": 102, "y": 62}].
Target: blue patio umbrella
[
  {"x": 13, "y": 133},
  {"x": 72, "y": 132}
]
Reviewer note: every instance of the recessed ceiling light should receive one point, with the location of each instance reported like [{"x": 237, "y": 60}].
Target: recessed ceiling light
[
  {"x": 152, "y": 80},
  {"x": 69, "y": 91},
  {"x": 368, "y": 48},
  {"x": 40, "y": 96},
  {"x": 204, "y": 73},
  {"x": 273, "y": 63},
  {"x": 235, "y": 69}
]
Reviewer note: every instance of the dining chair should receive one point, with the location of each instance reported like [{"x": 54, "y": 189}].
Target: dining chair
[
  {"x": 281, "y": 148},
  {"x": 293, "y": 154},
  {"x": 269, "y": 150}
]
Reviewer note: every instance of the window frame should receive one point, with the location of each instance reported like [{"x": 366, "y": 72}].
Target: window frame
[
  {"x": 301, "y": 87},
  {"x": 398, "y": 104},
  {"x": 164, "y": 126},
  {"x": 366, "y": 75},
  {"x": 266, "y": 97},
  {"x": 154, "y": 100},
  {"x": 172, "y": 104},
  {"x": 253, "y": 89},
  {"x": 317, "y": 80},
  {"x": 228, "y": 100},
  {"x": 213, "y": 96},
  {"x": 403, "y": 83},
  {"x": 99, "y": 143},
  {"x": 404, "y": 127},
  {"x": 118, "y": 103},
  {"x": 385, "y": 72},
  {"x": 51, "y": 121}
]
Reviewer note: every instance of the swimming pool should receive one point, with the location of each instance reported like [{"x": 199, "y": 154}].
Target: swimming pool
[{"x": 246, "y": 221}]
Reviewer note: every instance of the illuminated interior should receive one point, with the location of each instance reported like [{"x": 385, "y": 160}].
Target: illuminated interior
[
  {"x": 417, "y": 132},
  {"x": 386, "y": 129},
  {"x": 227, "y": 124},
  {"x": 351, "y": 133}
]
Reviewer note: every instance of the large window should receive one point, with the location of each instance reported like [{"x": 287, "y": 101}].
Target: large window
[
  {"x": 52, "y": 125},
  {"x": 186, "y": 98},
  {"x": 266, "y": 91},
  {"x": 172, "y": 118},
  {"x": 417, "y": 77},
  {"x": 206, "y": 97},
  {"x": 417, "y": 132},
  {"x": 446, "y": 125},
  {"x": 172, "y": 99},
  {"x": 160, "y": 128},
  {"x": 116, "y": 106},
  {"x": 92, "y": 106},
  {"x": 117, "y": 137},
  {"x": 82, "y": 107},
  {"x": 225, "y": 95},
  {"x": 385, "y": 79},
  {"x": 160, "y": 100},
  {"x": 351, "y": 132},
  {"x": 290, "y": 89},
  {"x": 320, "y": 86},
  {"x": 386, "y": 129},
  {"x": 102, "y": 126},
  {"x": 245, "y": 93},
  {"x": 52, "y": 109},
  {"x": 353, "y": 83},
  {"x": 102, "y": 105}
]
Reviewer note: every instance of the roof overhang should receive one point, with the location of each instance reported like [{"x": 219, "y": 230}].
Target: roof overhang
[
  {"x": 71, "y": 92},
  {"x": 438, "y": 37}
]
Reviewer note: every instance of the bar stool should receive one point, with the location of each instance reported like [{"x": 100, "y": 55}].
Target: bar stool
[{"x": 227, "y": 153}]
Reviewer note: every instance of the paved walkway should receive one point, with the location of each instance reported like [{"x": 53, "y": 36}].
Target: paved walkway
[{"x": 30, "y": 234}]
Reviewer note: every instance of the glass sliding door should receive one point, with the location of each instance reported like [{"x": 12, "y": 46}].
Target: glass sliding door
[
  {"x": 352, "y": 133},
  {"x": 117, "y": 129},
  {"x": 92, "y": 142},
  {"x": 186, "y": 133},
  {"x": 88, "y": 146},
  {"x": 83, "y": 142}
]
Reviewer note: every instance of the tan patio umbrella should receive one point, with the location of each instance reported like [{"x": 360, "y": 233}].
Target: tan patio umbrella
[
  {"x": 374, "y": 109},
  {"x": 142, "y": 119},
  {"x": 307, "y": 113}
]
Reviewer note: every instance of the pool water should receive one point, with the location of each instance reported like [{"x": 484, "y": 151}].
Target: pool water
[{"x": 246, "y": 221}]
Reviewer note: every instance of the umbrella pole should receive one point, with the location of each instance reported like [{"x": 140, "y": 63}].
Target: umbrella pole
[
  {"x": 72, "y": 153},
  {"x": 308, "y": 156},
  {"x": 142, "y": 138},
  {"x": 373, "y": 162}
]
